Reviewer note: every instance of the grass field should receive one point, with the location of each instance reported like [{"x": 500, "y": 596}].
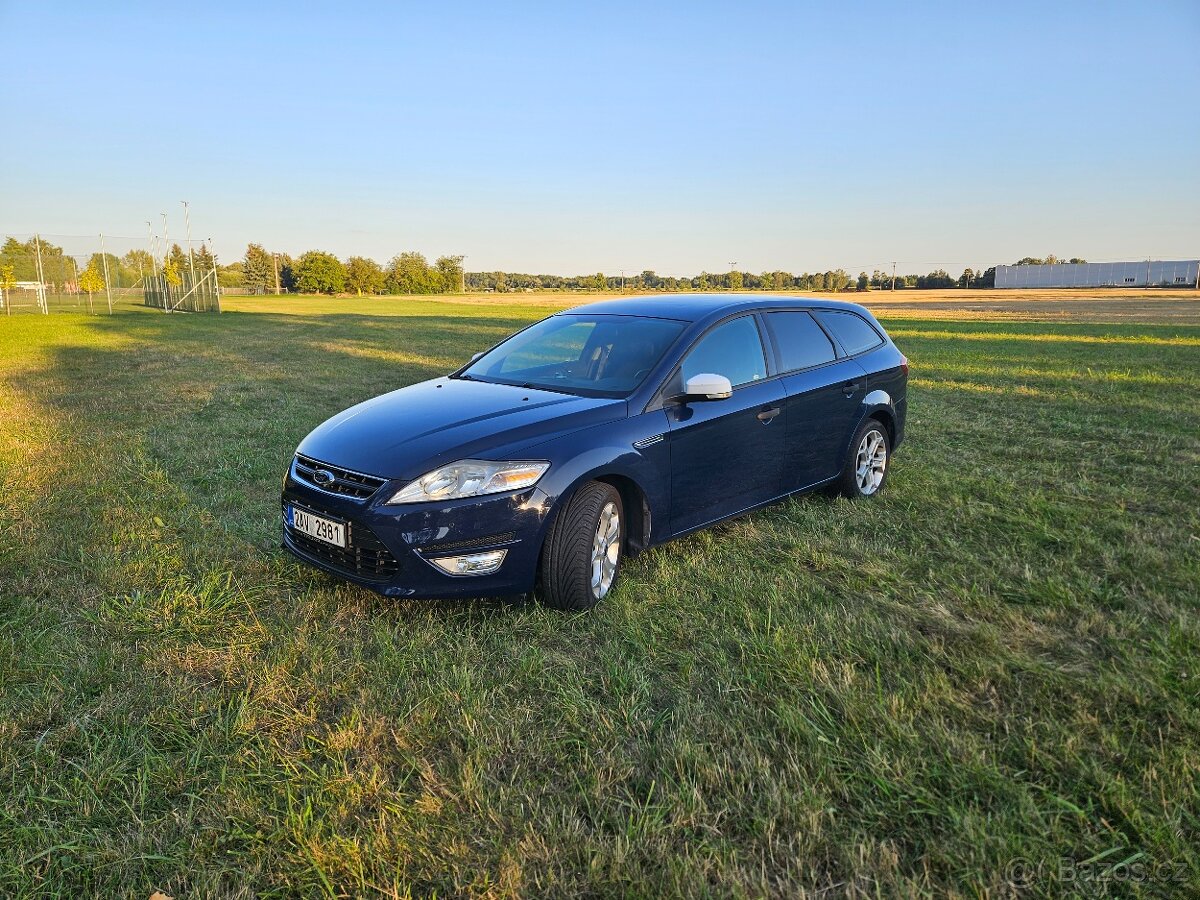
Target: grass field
[{"x": 987, "y": 676}]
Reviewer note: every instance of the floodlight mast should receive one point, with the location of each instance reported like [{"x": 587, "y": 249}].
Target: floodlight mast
[
  {"x": 216, "y": 281},
  {"x": 166, "y": 251},
  {"x": 187, "y": 220},
  {"x": 104, "y": 263},
  {"x": 41, "y": 274}
]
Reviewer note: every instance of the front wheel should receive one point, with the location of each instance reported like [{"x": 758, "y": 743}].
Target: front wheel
[
  {"x": 584, "y": 548},
  {"x": 866, "y": 467}
]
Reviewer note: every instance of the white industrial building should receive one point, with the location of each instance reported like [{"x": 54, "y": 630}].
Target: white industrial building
[{"x": 1148, "y": 273}]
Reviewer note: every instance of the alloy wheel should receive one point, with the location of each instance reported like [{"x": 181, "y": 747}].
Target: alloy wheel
[
  {"x": 870, "y": 462},
  {"x": 606, "y": 550}
]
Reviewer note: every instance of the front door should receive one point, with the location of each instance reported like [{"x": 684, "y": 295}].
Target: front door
[{"x": 726, "y": 455}]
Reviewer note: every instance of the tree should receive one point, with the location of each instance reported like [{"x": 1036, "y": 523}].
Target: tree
[
  {"x": 8, "y": 281},
  {"x": 258, "y": 270},
  {"x": 138, "y": 263},
  {"x": 287, "y": 272},
  {"x": 966, "y": 278},
  {"x": 231, "y": 276},
  {"x": 91, "y": 281},
  {"x": 599, "y": 282},
  {"x": 204, "y": 261},
  {"x": 939, "y": 278},
  {"x": 178, "y": 258},
  {"x": 450, "y": 274},
  {"x": 409, "y": 273},
  {"x": 318, "y": 272},
  {"x": 364, "y": 276},
  {"x": 736, "y": 281},
  {"x": 864, "y": 281}
]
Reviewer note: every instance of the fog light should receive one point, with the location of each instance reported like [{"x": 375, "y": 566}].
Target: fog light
[{"x": 472, "y": 563}]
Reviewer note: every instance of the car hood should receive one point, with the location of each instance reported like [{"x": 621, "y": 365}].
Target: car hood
[{"x": 406, "y": 433}]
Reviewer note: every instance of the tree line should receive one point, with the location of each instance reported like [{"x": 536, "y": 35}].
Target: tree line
[{"x": 261, "y": 271}]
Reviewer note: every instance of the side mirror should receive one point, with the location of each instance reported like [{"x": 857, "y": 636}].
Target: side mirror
[{"x": 707, "y": 386}]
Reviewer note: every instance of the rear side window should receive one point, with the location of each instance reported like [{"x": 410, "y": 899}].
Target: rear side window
[
  {"x": 855, "y": 333},
  {"x": 733, "y": 349},
  {"x": 801, "y": 342}
]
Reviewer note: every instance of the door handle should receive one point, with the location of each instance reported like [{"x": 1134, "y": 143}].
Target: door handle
[
  {"x": 768, "y": 413},
  {"x": 850, "y": 388}
]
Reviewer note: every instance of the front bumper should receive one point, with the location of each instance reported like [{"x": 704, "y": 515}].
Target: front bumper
[{"x": 389, "y": 547}]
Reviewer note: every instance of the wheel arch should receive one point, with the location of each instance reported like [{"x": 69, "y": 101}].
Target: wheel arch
[
  {"x": 878, "y": 405},
  {"x": 638, "y": 517},
  {"x": 887, "y": 419}
]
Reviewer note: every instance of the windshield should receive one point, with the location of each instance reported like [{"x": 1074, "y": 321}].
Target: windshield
[{"x": 600, "y": 356}]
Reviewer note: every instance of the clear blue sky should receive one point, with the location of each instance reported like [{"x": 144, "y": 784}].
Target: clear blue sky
[{"x": 559, "y": 137}]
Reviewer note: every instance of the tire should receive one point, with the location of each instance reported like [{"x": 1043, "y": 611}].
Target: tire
[
  {"x": 868, "y": 460},
  {"x": 578, "y": 568}
]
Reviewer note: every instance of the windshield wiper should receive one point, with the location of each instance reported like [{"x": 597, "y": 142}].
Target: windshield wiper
[{"x": 530, "y": 386}]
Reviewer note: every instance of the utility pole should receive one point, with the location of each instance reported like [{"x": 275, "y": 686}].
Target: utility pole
[
  {"x": 462, "y": 265},
  {"x": 187, "y": 221},
  {"x": 893, "y": 275},
  {"x": 275, "y": 260}
]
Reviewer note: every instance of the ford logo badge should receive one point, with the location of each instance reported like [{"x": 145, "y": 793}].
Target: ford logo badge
[{"x": 323, "y": 477}]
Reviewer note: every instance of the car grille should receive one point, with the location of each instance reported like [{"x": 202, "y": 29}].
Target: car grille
[
  {"x": 364, "y": 555},
  {"x": 346, "y": 483}
]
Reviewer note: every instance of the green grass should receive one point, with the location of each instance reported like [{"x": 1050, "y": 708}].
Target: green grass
[{"x": 995, "y": 660}]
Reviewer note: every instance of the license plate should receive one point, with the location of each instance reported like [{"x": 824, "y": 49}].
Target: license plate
[{"x": 326, "y": 530}]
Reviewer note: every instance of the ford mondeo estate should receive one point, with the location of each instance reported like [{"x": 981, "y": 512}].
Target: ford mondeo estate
[{"x": 592, "y": 435}]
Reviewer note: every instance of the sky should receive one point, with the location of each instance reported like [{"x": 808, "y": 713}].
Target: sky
[{"x": 570, "y": 138}]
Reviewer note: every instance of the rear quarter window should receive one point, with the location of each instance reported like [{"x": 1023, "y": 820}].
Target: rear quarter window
[{"x": 855, "y": 333}]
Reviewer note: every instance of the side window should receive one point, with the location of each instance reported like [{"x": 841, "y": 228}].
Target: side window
[
  {"x": 851, "y": 329},
  {"x": 733, "y": 350},
  {"x": 801, "y": 342}
]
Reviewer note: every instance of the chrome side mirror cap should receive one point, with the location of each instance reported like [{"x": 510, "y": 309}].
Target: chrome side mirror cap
[{"x": 707, "y": 386}]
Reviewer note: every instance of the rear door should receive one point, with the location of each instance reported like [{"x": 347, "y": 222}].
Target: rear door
[
  {"x": 824, "y": 392},
  {"x": 726, "y": 455}
]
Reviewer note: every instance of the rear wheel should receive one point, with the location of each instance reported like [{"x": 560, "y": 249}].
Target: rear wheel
[
  {"x": 584, "y": 548},
  {"x": 866, "y": 467}
]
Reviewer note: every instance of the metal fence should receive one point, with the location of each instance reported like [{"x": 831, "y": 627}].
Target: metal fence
[
  {"x": 188, "y": 291},
  {"x": 46, "y": 273}
]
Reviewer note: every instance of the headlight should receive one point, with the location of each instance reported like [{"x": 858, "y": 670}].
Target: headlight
[{"x": 470, "y": 478}]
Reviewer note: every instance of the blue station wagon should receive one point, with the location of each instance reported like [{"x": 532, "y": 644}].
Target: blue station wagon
[{"x": 592, "y": 435}]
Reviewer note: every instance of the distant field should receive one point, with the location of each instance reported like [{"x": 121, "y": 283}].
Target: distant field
[
  {"x": 990, "y": 673},
  {"x": 1146, "y": 306}
]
